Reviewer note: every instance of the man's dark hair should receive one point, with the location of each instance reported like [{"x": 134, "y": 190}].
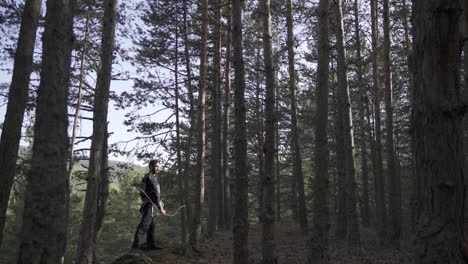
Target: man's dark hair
[{"x": 153, "y": 162}]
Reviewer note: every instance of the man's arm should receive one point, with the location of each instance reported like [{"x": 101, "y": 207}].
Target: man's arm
[
  {"x": 143, "y": 187},
  {"x": 157, "y": 190}
]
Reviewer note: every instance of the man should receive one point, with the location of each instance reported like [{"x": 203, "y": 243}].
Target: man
[{"x": 151, "y": 195}]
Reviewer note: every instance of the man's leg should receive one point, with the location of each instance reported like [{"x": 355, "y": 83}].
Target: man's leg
[
  {"x": 150, "y": 237},
  {"x": 144, "y": 225},
  {"x": 150, "y": 234}
]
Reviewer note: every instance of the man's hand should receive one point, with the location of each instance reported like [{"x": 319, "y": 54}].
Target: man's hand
[{"x": 161, "y": 205}]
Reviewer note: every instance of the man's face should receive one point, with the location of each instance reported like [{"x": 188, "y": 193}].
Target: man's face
[{"x": 155, "y": 168}]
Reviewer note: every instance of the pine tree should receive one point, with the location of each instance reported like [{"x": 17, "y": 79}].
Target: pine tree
[
  {"x": 17, "y": 98},
  {"x": 352, "y": 226},
  {"x": 180, "y": 179},
  {"x": 437, "y": 119},
  {"x": 241, "y": 221},
  {"x": 268, "y": 209},
  {"x": 86, "y": 245},
  {"x": 195, "y": 234},
  {"x": 225, "y": 140},
  {"x": 362, "y": 103},
  {"x": 394, "y": 211},
  {"x": 297, "y": 158},
  {"x": 317, "y": 244},
  {"x": 381, "y": 211},
  {"x": 45, "y": 215}
]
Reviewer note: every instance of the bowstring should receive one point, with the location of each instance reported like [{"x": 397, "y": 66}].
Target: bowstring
[{"x": 156, "y": 208}]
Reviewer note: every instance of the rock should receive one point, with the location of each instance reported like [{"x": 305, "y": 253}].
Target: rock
[{"x": 133, "y": 258}]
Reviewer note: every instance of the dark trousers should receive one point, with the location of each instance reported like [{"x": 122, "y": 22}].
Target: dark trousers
[{"x": 146, "y": 226}]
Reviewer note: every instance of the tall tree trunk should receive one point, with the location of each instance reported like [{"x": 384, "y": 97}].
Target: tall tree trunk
[
  {"x": 293, "y": 199},
  {"x": 318, "y": 241},
  {"x": 362, "y": 88},
  {"x": 44, "y": 231},
  {"x": 17, "y": 98},
  {"x": 225, "y": 141},
  {"x": 370, "y": 132},
  {"x": 338, "y": 175},
  {"x": 218, "y": 118},
  {"x": 465, "y": 77},
  {"x": 406, "y": 13},
  {"x": 341, "y": 219},
  {"x": 180, "y": 176},
  {"x": 437, "y": 120},
  {"x": 268, "y": 210},
  {"x": 393, "y": 179},
  {"x": 277, "y": 167},
  {"x": 241, "y": 214},
  {"x": 381, "y": 210},
  {"x": 352, "y": 229},
  {"x": 297, "y": 158},
  {"x": 465, "y": 46},
  {"x": 216, "y": 199},
  {"x": 86, "y": 243},
  {"x": 80, "y": 92},
  {"x": 195, "y": 235},
  {"x": 103, "y": 195},
  {"x": 260, "y": 130},
  {"x": 188, "y": 151}
]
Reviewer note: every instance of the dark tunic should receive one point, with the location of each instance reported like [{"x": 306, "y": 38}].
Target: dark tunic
[{"x": 150, "y": 185}]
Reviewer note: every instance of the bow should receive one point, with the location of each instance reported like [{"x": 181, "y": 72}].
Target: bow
[{"x": 155, "y": 207}]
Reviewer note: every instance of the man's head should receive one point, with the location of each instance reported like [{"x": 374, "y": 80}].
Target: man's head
[{"x": 154, "y": 166}]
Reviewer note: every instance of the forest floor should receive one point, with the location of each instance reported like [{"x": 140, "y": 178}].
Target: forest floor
[{"x": 291, "y": 249}]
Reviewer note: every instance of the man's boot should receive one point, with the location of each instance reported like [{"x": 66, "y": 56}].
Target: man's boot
[{"x": 136, "y": 243}]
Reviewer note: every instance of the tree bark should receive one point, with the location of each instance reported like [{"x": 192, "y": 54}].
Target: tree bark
[
  {"x": 44, "y": 230},
  {"x": 381, "y": 215},
  {"x": 180, "y": 176},
  {"x": 371, "y": 133},
  {"x": 277, "y": 172},
  {"x": 465, "y": 77},
  {"x": 341, "y": 225},
  {"x": 188, "y": 151},
  {"x": 259, "y": 113},
  {"x": 297, "y": 158},
  {"x": 406, "y": 14},
  {"x": 241, "y": 214},
  {"x": 195, "y": 235},
  {"x": 216, "y": 199},
  {"x": 318, "y": 240},
  {"x": 86, "y": 243},
  {"x": 277, "y": 165},
  {"x": 362, "y": 123},
  {"x": 103, "y": 196},
  {"x": 17, "y": 98},
  {"x": 437, "y": 119},
  {"x": 268, "y": 209},
  {"x": 225, "y": 141},
  {"x": 465, "y": 46},
  {"x": 352, "y": 229},
  {"x": 218, "y": 118},
  {"x": 338, "y": 176},
  {"x": 394, "y": 211}
]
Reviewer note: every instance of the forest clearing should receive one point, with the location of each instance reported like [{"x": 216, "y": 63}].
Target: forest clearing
[{"x": 233, "y": 131}]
